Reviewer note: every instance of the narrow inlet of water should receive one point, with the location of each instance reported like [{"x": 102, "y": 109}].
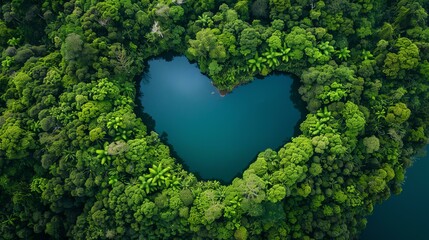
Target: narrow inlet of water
[{"x": 405, "y": 216}]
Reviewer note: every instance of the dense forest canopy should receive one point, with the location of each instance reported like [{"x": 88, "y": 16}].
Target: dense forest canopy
[{"x": 76, "y": 161}]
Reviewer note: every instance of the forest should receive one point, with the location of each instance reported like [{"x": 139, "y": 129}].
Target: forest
[{"x": 77, "y": 161}]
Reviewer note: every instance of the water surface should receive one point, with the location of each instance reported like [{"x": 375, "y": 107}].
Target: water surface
[
  {"x": 405, "y": 216},
  {"x": 217, "y": 136}
]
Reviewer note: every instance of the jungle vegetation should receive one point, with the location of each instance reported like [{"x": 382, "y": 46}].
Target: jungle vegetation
[{"x": 76, "y": 162}]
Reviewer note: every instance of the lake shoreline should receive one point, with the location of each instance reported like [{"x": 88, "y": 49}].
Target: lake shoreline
[{"x": 227, "y": 134}]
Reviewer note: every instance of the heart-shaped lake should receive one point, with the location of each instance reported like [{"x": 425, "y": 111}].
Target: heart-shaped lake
[{"x": 217, "y": 136}]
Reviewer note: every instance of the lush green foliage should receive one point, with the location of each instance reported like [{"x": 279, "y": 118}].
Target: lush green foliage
[{"x": 76, "y": 161}]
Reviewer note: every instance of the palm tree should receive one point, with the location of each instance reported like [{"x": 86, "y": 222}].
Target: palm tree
[
  {"x": 343, "y": 53},
  {"x": 157, "y": 173},
  {"x": 158, "y": 177},
  {"x": 172, "y": 181},
  {"x": 103, "y": 154},
  {"x": 257, "y": 63},
  {"x": 115, "y": 123},
  {"x": 204, "y": 20},
  {"x": 317, "y": 127},
  {"x": 113, "y": 178},
  {"x": 129, "y": 90},
  {"x": 366, "y": 55},
  {"x": 324, "y": 114},
  {"x": 285, "y": 53},
  {"x": 325, "y": 48},
  {"x": 123, "y": 134},
  {"x": 271, "y": 57}
]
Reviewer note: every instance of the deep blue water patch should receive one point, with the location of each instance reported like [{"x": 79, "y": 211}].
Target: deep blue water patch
[
  {"x": 217, "y": 136},
  {"x": 405, "y": 216}
]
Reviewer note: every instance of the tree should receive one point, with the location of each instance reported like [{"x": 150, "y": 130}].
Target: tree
[
  {"x": 249, "y": 41},
  {"x": 397, "y": 114},
  {"x": 365, "y": 28},
  {"x": 274, "y": 41},
  {"x": 122, "y": 61},
  {"x": 241, "y": 233},
  {"x": 15, "y": 141},
  {"x": 213, "y": 212},
  {"x": 355, "y": 120},
  {"x": 320, "y": 143},
  {"x": 206, "y": 46},
  {"x": 276, "y": 193},
  {"x": 366, "y": 55},
  {"x": 72, "y": 47},
  {"x": 343, "y": 53},
  {"x": 386, "y": 32},
  {"x": 298, "y": 40},
  {"x": 279, "y": 6},
  {"x": 410, "y": 14},
  {"x": 47, "y": 123},
  {"x": 186, "y": 196},
  {"x": 259, "y": 166},
  {"x": 315, "y": 169},
  {"x": 242, "y": 9},
  {"x": 204, "y": 21},
  {"x": 104, "y": 89},
  {"x": 407, "y": 58},
  {"x": 20, "y": 81},
  {"x": 214, "y": 68},
  {"x": 333, "y": 93},
  {"x": 327, "y": 84},
  {"x": 5, "y": 33},
  {"x": 252, "y": 187},
  {"x": 96, "y": 134},
  {"x": 7, "y": 62},
  {"x": 200, "y": 6},
  {"x": 260, "y": 9},
  {"x": 372, "y": 144}
]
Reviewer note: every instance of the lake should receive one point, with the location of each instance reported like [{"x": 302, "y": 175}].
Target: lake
[
  {"x": 405, "y": 216},
  {"x": 217, "y": 136}
]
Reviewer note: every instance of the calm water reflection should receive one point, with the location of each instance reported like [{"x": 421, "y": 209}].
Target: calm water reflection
[{"x": 217, "y": 137}]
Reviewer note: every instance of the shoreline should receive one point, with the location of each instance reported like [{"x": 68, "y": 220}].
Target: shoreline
[{"x": 223, "y": 93}]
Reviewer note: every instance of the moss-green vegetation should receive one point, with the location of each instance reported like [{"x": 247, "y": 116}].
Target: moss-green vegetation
[{"x": 76, "y": 162}]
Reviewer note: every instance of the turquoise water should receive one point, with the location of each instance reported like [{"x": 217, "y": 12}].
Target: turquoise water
[
  {"x": 405, "y": 216},
  {"x": 217, "y": 136}
]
